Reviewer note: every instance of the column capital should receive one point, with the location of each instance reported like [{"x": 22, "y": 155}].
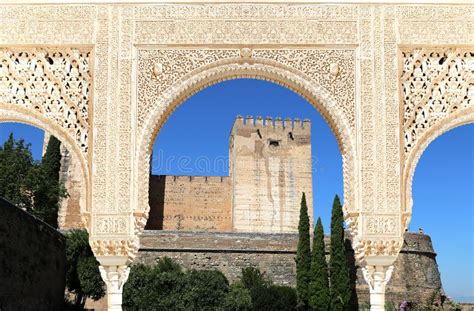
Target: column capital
[
  {"x": 114, "y": 277},
  {"x": 377, "y": 276}
]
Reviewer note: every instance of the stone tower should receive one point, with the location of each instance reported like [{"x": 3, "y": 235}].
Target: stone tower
[{"x": 270, "y": 168}]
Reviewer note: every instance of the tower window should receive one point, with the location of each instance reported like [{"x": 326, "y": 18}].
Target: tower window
[{"x": 274, "y": 143}]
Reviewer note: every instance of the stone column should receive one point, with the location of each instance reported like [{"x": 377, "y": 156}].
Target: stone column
[
  {"x": 114, "y": 272},
  {"x": 377, "y": 276}
]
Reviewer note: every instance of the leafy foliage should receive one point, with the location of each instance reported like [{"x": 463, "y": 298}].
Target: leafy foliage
[
  {"x": 265, "y": 295},
  {"x": 165, "y": 286},
  {"x": 252, "y": 278},
  {"x": 338, "y": 265},
  {"x": 16, "y": 163},
  {"x": 238, "y": 298},
  {"x": 82, "y": 271},
  {"x": 48, "y": 191},
  {"x": 32, "y": 185},
  {"x": 303, "y": 257},
  {"x": 319, "y": 285}
]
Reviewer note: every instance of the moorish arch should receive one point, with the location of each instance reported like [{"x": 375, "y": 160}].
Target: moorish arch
[
  {"x": 247, "y": 67},
  {"x": 48, "y": 88},
  {"x": 438, "y": 90},
  {"x": 104, "y": 75}
]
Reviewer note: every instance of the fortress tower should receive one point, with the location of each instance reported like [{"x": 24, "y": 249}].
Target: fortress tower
[{"x": 270, "y": 168}]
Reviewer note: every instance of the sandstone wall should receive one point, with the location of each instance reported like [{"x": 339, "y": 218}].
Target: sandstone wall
[
  {"x": 270, "y": 168},
  {"x": 190, "y": 203},
  {"x": 32, "y": 262},
  {"x": 69, "y": 215},
  {"x": 415, "y": 277}
]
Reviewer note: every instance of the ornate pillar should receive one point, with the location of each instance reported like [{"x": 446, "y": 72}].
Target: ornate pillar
[
  {"x": 377, "y": 274},
  {"x": 114, "y": 272}
]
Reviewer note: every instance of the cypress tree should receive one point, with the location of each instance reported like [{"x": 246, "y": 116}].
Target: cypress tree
[
  {"x": 49, "y": 190},
  {"x": 338, "y": 265},
  {"x": 16, "y": 163},
  {"x": 319, "y": 299},
  {"x": 303, "y": 257}
]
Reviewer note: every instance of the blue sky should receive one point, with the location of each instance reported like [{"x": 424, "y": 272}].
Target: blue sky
[{"x": 195, "y": 140}]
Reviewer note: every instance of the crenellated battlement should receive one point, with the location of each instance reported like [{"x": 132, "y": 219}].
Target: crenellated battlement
[
  {"x": 196, "y": 179},
  {"x": 269, "y": 122}
]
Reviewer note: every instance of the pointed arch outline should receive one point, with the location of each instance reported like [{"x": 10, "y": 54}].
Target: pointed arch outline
[
  {"x": 454, "y": 120},
  {"x": 260, "y": 69},
  {"x": 13, "y": 113}
]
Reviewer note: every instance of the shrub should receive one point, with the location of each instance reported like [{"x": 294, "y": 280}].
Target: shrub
[
  {"x": 82, "y": 269},
  {"x": 238, "y": 298}
]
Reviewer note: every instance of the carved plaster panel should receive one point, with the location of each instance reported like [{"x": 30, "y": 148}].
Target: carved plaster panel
[
  {"x": 435, "y": 83},
  {"x": 53, "y": 82}
]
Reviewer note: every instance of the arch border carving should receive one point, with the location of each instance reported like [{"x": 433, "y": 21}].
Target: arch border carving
[
  {"x": 459, "y": 118},
  {"x": 246, "y": 67}
]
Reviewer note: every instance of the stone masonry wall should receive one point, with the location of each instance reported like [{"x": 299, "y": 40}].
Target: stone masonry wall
[
  {"x": 69, "y": 215},
  {"x": 190, "y": 203},
  {"x": 415, "y": 277},
  {"x": 32, "y": 262}
]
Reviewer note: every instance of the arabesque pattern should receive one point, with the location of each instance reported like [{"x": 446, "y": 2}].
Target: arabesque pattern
[
  {"x": 54, "y": 82},
  {"x": 435, "y": 84}
]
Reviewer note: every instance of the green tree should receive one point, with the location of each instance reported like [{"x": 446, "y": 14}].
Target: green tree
[
  {"x": 252, "y": 278},
  {"x": 16, "y": 163},
  {"x": 48, "y": 190},
  {"x": 204, "y": 289},
  {"x": 82, "y": 269},
  {"x": 303, "y": 257},
  {"x": 338, "y": 265},
  {"x": 319, "y": 285},
  {"x": 238, "y": 298}
]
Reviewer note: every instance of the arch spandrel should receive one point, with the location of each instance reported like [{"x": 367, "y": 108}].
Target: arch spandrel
[
  {"x": 309, "y": 72},
  {"x": 437, "y": 86}
]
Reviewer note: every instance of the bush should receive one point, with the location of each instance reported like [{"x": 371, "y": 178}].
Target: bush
[
  {"x": 238, "y": 298},
  {"x": 205, "y": 289},
  {"x": 265, "y": 295},
  {"x": 166, "y": 287}
]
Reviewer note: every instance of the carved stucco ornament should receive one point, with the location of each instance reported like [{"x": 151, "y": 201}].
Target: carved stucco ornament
[
  {"x": 246, "y": 53},
  {"x": 157, "y": 69},
  {"x": 334, "y": 70}
]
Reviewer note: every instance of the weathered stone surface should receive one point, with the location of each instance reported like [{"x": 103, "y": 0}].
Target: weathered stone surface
[
  {"x": 415, "y": 275},
  {"x": 270, "y": 168},
  {"x": 190, "y": 203},
  {"x": 32, "y": 262}
]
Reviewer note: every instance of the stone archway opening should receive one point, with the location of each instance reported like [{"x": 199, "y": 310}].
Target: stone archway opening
[
  {"x": 309, "y": 90},
  {"x": 73, "y": 212},
  {"x": 440, "y": 184},
  {"x": 201, "y": 189}
]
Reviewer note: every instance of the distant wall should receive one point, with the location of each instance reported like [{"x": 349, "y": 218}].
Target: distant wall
[
  {"x": 190, "y": 203},
  {"x": 32, "y": 262},
  {"x": 415, "y": 277}
]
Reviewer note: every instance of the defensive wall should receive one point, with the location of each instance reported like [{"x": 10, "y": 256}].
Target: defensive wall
[
  {"x": 32, "y": 262},
  {"x": 415, "y": 277},
  {"x": 190, "y": 203}
]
